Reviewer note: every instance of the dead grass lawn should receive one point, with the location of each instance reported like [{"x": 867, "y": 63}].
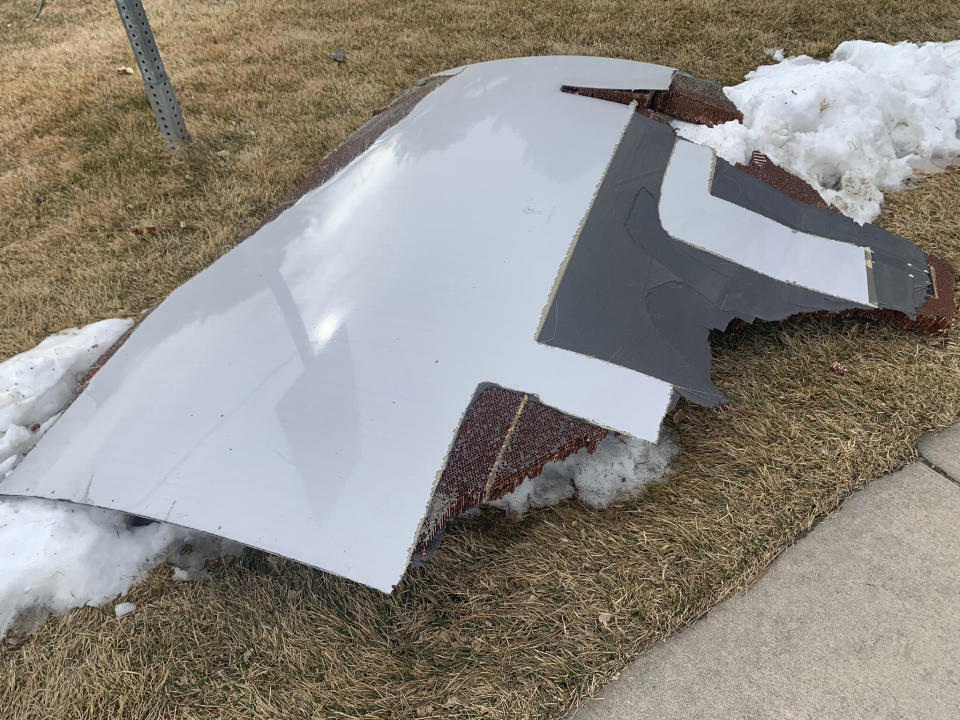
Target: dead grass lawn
[{"x": 504, "y": 621}]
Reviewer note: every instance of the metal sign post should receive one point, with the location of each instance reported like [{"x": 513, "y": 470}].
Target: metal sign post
[{"x": 159, "y": 91}]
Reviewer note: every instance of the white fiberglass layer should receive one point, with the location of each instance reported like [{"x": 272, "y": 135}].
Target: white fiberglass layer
[
  {"x": 300, "y": 395},
  {"x": 688, "y": 212}
]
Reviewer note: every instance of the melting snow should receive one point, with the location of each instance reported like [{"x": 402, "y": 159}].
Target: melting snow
[
  {"x": 870, "y": 119},
  {"x": 56, "y": 555},
  {"x": 619, "y": 469}
]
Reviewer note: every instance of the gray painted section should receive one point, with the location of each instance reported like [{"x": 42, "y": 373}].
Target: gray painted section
[
  {"x": 634, "y": 296},
  {"x": 650, "y": 77},
  {"x": 859, "y": 620},
  {"x": 166, "y": 110}
]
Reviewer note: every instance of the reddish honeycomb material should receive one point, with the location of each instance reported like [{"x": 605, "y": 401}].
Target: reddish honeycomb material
[
  {"x": 689, "y": 98},
  {"x": 542, "y": 434},
  {"x": 762, "y": 168},
  {"x": 504, "y": 438},
  {"x": 935, "y": 315},
  {"x": 938, "y": 311},
  {"x": 696, "y": 100},
  {"x": 643, "y": 98},
  {"x": 695, "y": 109}
]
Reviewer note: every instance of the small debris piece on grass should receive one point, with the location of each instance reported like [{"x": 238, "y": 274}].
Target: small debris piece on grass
[
  {"x": 124, "y": 70},
  {"x": 839, "y": 368},
  {"x": 339, "y": 56},
  {"x": 150, "y": 230}
]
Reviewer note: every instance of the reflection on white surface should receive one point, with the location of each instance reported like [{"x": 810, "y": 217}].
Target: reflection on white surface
[
  {"x": 300, "y": 395},
  {"x": 688, "y": 212},
  {"x": 326, "y": 327}
]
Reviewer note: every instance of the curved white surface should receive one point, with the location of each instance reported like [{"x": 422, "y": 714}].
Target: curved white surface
[
  {"x": 300, "y": 394},
  {"x": 688, "y": 212}
]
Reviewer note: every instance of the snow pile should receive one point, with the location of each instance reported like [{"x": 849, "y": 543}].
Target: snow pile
[
  {"x": 619, "y": 469},
  {"x": 56, "y": 555},
  {"x": 37, "y": 384},
  {"x": 870, "y": 119}
]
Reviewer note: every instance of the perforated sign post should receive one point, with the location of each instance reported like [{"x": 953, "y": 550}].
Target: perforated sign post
[{"x": 159, "y": 91}]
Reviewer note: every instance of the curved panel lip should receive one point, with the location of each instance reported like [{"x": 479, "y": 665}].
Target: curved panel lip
[
  {"x": 618, "y": 73},
  {"x": 301, "y": 393},
  {"x": 690, "y": 213}
]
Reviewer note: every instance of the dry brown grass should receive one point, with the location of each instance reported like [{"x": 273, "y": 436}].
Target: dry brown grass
[{"x": 504, "y": 621}]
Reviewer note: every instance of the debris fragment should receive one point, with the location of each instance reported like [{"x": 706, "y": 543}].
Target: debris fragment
[
  {"x": 339, "y": 56},
  {"x": 323, "y": 289},
  {"x": 152, "y": 230},
  {"x": 839, "y": 368},
  {"x": 605, "y": 618},
  {"x": 124, "y": 70}
]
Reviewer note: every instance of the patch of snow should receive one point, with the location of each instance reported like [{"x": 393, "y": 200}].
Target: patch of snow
[
  {"x": 550, "y": 487},
  {"x": 57, "y": 555},
  {"x": 37, "y": 384},
  {"x": 619, "y": 469},
  {"x": 124, "y": 608},
  {"x": 871, "y": 119}
]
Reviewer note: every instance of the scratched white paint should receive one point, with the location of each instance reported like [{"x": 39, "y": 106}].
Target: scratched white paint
[{"x": 300, "y": 394}]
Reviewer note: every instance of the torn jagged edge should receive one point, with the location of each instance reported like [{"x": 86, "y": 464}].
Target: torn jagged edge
[
  {"x": 702, "y": 101},
  {"x": 689, "y": 98}
]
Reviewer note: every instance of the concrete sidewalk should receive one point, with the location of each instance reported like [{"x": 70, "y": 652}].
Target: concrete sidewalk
[{"x": 860, "y": 619}]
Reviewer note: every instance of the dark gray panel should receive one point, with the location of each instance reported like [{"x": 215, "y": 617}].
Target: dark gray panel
[
  {"x": 634, "y": 296},
  {"x": 894, "y": 259}
]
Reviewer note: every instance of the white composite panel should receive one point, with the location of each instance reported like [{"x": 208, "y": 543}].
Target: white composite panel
[
  {"x": 300, "y": 395},
  {"x": 688, "y": 212}
]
